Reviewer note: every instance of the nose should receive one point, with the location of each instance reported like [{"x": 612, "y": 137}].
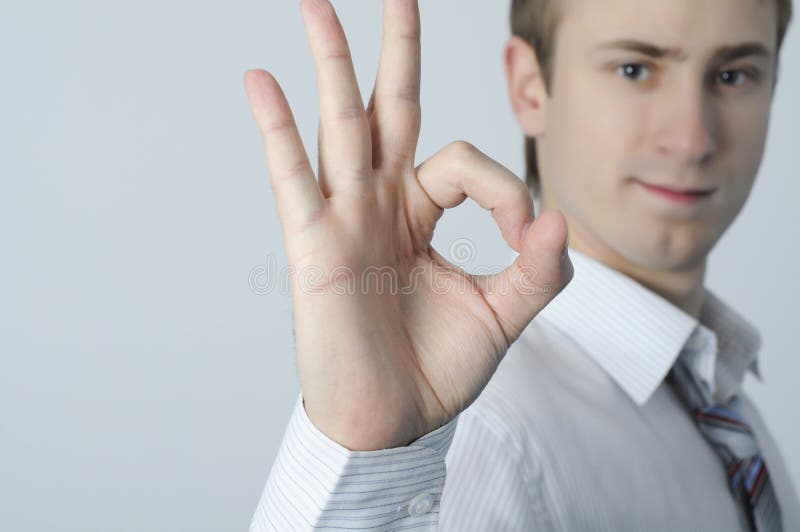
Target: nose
[{"x": 687, "y": 129}]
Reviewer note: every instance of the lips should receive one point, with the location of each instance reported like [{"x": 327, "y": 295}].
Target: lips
[
  {"x": 692, "y": 191},
  {"x": 677, "y": 194}
]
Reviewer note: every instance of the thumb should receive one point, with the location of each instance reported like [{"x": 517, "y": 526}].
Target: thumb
[{"x": 538, "y": 274}]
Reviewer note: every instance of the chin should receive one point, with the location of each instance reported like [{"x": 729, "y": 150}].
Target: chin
[
  {"x": 668, "y": 256},
  {"x": 668, "y": 251},
  {"x": 661, "y": 243}
]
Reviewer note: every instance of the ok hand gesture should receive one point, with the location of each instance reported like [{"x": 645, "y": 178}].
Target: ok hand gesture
[{"x": 392, "y": 340}]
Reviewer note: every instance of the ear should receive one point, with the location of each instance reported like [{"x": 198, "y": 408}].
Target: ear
[{"x": 526, "y": 88}]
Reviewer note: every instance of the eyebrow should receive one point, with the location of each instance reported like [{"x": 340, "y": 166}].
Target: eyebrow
[{"x": 723, "y": 54}]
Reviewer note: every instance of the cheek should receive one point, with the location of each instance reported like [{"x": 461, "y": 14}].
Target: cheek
[
  {"x": 747, "y": 133},
  {"x": 597, "y": 134}
]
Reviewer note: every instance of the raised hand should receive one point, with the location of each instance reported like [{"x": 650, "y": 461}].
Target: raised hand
[{"x": 392, "y": 340}]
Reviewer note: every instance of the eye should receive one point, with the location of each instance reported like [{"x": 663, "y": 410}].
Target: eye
[
  {"x": 732, "y": 78},
  {"x": 634, "y": 71}
]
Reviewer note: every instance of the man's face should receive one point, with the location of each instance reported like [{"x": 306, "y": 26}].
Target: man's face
[{"x": 621, "y": 121}]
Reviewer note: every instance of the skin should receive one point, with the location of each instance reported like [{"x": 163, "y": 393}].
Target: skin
[
  {"x": 380, "y": 367},
  {"x": 688, "y": 121}
]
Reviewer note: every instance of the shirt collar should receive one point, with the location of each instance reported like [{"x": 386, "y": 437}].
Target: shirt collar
[
  {"x": 738, "y": 342},
  {"x": 636, "y": 335}
]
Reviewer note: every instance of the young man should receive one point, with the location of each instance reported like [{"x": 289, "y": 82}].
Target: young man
[{"x": 619, "y": 407}]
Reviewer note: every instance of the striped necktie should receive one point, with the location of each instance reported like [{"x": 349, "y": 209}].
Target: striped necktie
[{"x": 730, "y": 435}]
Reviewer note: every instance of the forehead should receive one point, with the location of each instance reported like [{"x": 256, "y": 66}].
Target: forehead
[{"x": 693, "y": 25}]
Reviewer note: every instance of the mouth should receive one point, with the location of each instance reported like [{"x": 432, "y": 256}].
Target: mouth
[{"x": 678, "y": 195}]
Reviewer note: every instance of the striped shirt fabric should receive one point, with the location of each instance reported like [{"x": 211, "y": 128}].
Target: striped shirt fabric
[{"x": 576, "y": 431}]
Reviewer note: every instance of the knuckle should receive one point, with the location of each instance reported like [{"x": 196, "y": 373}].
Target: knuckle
[
  {"x": 528, "y": 281},
  {"x": 462, "y": 150},
  {"x": 413, "y": 36},
  {"x": 350, "y": 113},
  {"x": 337, "y": 54},
  {"x": 408, "y": 93},
  {"x": 399, "y": 158},
  {"x": 460, "y": 154},
  {"x": 358, "y": 174},
  {"x": 277, "y": 127},
  {"x": 519, "y": 186},
  {"x": 352, "y": 174},
  {"x": 295, "y": 170}
]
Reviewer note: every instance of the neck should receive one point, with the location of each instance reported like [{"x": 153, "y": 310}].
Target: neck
[{"x": 682, "y": 287}]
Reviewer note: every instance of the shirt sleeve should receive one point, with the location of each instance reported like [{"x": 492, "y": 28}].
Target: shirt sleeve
[{"x": 317, "y": 484}]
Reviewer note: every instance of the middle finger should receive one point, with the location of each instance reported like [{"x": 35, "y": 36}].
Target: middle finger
[
  {"x": 395, "y": 98},
  {"x": 345, "y": 150}
]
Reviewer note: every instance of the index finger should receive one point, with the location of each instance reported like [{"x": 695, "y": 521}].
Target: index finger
[{"x": 460, "y": 171}]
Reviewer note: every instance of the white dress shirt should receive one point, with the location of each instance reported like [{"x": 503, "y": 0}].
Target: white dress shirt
[{"x": 577, "y": 430}]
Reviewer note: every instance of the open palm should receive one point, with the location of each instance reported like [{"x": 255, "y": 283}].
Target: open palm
[{"x": 392, "y": 340}]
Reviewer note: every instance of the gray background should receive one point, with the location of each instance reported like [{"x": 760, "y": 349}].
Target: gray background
[{"x": 144, "y": 384}]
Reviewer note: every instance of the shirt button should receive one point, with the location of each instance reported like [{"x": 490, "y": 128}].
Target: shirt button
[{"x": 421, "y": 504}]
